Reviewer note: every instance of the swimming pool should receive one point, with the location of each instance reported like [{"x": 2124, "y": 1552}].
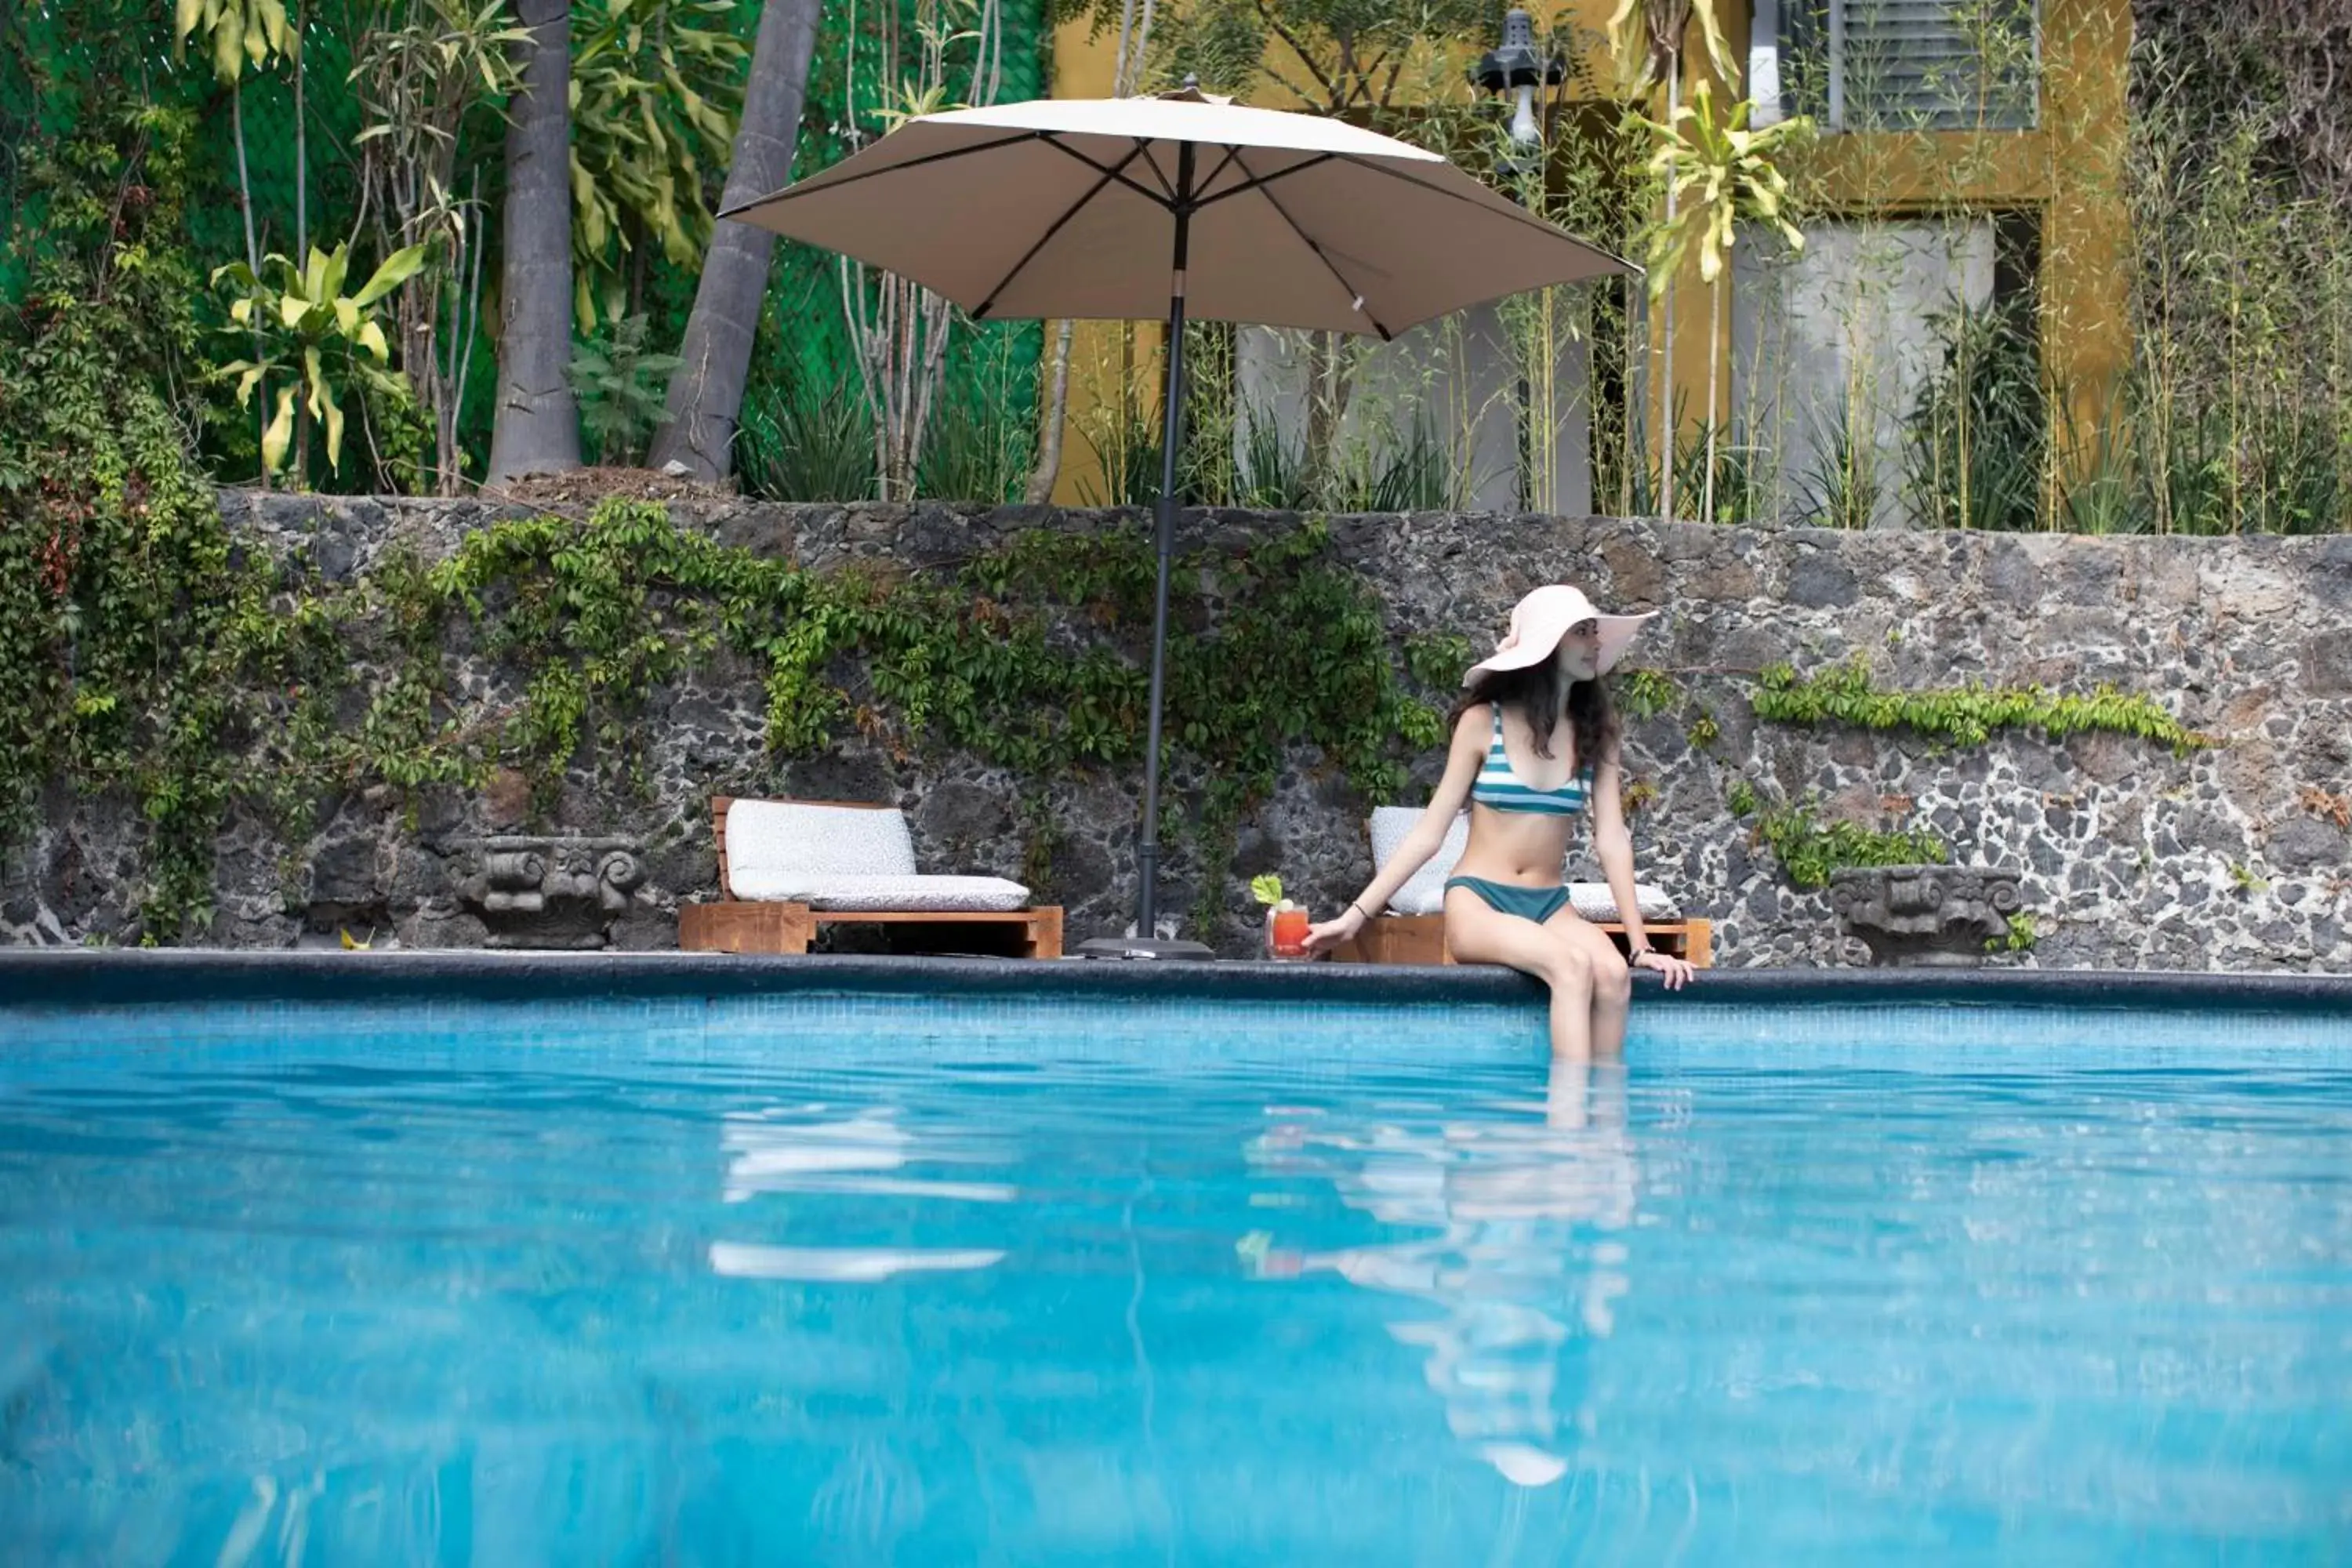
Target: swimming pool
[{"x": 722, "y": 1262}]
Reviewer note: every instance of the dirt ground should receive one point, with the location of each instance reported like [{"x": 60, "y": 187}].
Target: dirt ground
[{"x": 588, "y": 486}]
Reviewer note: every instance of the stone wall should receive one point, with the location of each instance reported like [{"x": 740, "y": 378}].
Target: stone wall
[{"x": 2131, "y": 856}]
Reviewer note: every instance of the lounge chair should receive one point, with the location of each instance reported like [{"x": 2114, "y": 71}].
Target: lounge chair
[
  {"x": 1413, "y": 929},
  {"x": 786, "y": 866}
]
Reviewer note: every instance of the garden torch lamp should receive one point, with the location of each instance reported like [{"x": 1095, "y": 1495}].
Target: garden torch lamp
[{"x": 1516, "y": 67}]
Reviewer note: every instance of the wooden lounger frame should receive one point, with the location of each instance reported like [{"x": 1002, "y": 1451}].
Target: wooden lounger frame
[
  {"x": 1421, "y": 939},
  {"x": 737, "y": 925}
]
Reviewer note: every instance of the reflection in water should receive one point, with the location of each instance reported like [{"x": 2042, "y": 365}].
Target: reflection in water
[
  {"x": 801, "y": 1151},
  {"x": 845, "y": 1265},
  {"x": 1506, "y": 1263},
  {"x": 807, "y": 1150}
]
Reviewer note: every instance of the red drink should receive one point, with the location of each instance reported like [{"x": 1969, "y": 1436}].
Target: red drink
[{"x": 1289, "y": 933}]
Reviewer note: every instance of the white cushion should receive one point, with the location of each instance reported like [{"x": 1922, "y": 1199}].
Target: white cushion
[
  {"x": 949, "y": 895},
  {"x": 1424, "y": 892},
  {"x": 1594, "y": 902},
  {"x": 767, "y": 838}
]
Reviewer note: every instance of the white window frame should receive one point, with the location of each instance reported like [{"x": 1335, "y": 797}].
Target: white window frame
[{"x": 1765, "y": 63}]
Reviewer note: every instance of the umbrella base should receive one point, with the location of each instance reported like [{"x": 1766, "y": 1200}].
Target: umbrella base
[{"x": 1144, "y": 947}]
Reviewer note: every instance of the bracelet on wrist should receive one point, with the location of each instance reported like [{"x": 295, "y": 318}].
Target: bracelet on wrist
[{"x": 1359, "y": 908}]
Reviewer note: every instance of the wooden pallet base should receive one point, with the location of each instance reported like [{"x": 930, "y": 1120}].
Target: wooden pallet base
[
  {"x": 1421, "y": 939},
  {"x": 737, "y": 926}
]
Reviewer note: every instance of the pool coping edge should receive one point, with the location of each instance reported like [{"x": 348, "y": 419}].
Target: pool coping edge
[{"x": 88, "y": 977}]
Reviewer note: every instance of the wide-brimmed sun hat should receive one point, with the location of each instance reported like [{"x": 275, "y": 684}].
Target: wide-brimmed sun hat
[{"x": 1543, "y": 617}]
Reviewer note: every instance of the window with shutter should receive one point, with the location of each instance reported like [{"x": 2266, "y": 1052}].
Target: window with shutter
[{"x": 1910, "y": 64}]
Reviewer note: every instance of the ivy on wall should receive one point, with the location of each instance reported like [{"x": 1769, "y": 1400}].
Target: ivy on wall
[
  {"x": 1029, "y": 658},
  {"x": 1964, "y": 715},
  {"x": 281, "y": 691},
  {"x": 119, "y": 594},
  {"x": 1809, "y": 848}
]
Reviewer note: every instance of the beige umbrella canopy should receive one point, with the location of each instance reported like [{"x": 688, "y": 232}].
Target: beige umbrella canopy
[
  {"x": 1181, "y": 207},
  {"x": 1074, "y": 208}
]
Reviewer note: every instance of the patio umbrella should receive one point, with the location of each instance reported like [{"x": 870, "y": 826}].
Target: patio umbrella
[{"x": 1184, "y": 207}]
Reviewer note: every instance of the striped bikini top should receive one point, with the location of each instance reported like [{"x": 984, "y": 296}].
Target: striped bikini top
[{"x": 1500, "y": 787}]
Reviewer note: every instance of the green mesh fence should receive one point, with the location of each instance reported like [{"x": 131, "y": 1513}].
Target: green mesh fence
[
  {"x": 992, "y": 367},
  {"x": 55, "y": 55}
]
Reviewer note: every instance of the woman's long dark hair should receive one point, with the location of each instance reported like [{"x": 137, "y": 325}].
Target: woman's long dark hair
[{"x": 1535, "y": 692}]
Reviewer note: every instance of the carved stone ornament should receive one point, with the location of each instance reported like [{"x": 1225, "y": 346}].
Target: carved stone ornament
[
  {"x": 543, "y": 892},
  {"x": 1927, "y": 916}
]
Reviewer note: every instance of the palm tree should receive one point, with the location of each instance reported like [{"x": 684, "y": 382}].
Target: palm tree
[
  {"x": 537, "y": 427},
  {"x": 706, "y": 396}
]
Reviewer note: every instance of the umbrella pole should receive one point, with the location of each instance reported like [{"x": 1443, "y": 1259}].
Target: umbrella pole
[{"x": 1171, "y": 434}]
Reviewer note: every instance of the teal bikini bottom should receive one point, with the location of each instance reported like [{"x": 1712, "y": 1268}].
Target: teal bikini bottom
[{"x": 1537, "y": 904}]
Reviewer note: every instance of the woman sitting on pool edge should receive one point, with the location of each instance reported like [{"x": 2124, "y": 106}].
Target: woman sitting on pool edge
[{"x": 1534, "y": 746}]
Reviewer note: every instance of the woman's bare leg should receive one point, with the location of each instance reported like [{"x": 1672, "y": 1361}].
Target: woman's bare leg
[
  {"x": 1613, "y": 983},
  {"x": 1478, "y": 932}
]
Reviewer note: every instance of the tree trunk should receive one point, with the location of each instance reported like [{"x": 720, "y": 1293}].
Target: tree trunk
[
  {"x": 1049, "y": 471},
  {"x": 706, "y": 395},
  {"x": 537, "y": 426},
  {"x": 1331, "y": 387}
]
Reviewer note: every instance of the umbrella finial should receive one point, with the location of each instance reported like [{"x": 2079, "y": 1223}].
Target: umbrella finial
[{"x": 1191, "y": 92}]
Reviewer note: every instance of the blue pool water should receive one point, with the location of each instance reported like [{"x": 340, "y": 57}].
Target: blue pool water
[{"x": 865, "y": 1280}]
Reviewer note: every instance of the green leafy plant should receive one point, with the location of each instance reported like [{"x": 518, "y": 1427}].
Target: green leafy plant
[
  {"x": 1275, "y": 473},
  {"x": 241, "y": 33},
  {"x": 1644, "y": 693},
  {"x": 1436, "y": 659},
  {"x": 976, "y": 450},
  {"x": 1965, "y": 715},
  {"x": 1266, "y": 889},
  {"x": 327, "y": 342},
  {"x": 424, "y": 77},
  {"x": 621, "y": 385},
  {"x": 1841, "y": 486},
  {"x": 1408, "y": 474},
  {"x": 1327, "y": 57},
  {"x": 120, "y": 600},
  {"x": 655, "y": 85},
  {"x": 803, "y": 442},
  {"x": 1719, "y": 173},
  {"x": 238, "y": 31},
  {"x": 2021, "y": 935},
  {"x": 1974, "y": 458},
  {"x": 1125, "y": 441},
  {"x": 1809, "y": 849}
]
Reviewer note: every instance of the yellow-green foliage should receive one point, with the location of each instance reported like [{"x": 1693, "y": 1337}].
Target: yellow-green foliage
[
  {"x": 1963, "y": 715},
  {"x": 1809, "y": 849}
]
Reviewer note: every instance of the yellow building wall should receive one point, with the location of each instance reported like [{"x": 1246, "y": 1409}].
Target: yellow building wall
[
  {"x": 1103, "y": 355},
  {"x": 2069, "y": 170}
]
